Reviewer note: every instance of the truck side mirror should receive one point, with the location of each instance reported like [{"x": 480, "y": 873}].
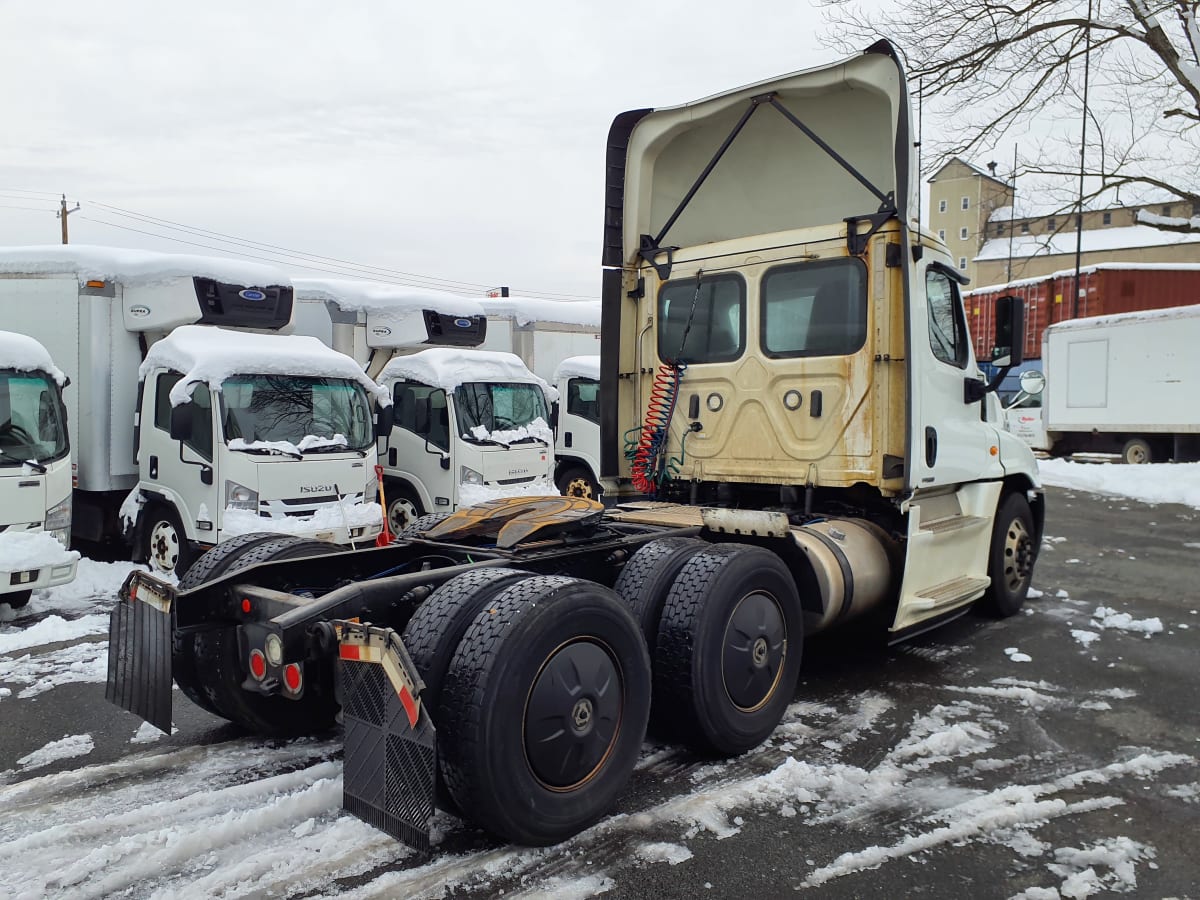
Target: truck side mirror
[
  {"x": 181, "y": 421},
  {"x": 1033, "y": 382},
  {"x": 385, "y": 419},
  {"x": 554, "y": 416},
  {"x": 1008, "y": 345}
]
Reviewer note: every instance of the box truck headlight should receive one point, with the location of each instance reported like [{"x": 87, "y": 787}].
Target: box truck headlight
[
  {"x": 239, "y": 497},
  {"x": 58, "y": 522},
  {"x": 469, "y": 476}
]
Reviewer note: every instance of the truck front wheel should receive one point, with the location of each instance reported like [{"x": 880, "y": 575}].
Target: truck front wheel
[
  {"x": 1011, "y": 557},
  {"x": 728, "y": 650},
  {"x": 403, "y": 508},
  {"x": 576, "y": 481},
  {"x": 1137, "y": 452},
  {"x": 167, "y": 549},
  {"x": 544, "y": 709}
]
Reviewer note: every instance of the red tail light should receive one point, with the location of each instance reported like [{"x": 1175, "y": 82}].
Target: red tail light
[
  {"x": 292, "y": 677},
  {"x": 258, "y": 665}
]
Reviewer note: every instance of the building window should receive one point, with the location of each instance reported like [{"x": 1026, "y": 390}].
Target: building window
[
  {"x": 942, "y": 234},
  {"x": 962, "y": 233},
  {"x": 1024, "y": 228},
  {"x": 962, "y": 262},
  {"x": 1166, "y": 210},
  {"x": 966, "y": 203},
  {"x": 999, "y": 228},
  {"x": 1108, "y": 218},
  {"x": 1051, "y": 224},
  {"x": 941, "y": 206}
]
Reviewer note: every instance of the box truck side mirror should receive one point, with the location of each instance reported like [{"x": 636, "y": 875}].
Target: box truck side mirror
[
  {"x": 385, "y": 419},
  {"x": 182, "y": 417}
]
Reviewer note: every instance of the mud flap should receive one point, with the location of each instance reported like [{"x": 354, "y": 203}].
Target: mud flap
[
  {"x": 139, "y": 651},
  {"x": 390, "y": 741}
]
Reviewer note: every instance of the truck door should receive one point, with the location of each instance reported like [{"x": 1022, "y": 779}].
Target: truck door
[
  {"x": 182, "y": 471},
  {"x": 419, "y": 446},
  {"x": 950, "y": 442}
]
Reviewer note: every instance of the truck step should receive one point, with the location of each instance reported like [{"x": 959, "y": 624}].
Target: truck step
[
  {"x": 950, "y": 593},
  {"x": 954, "y": 523}
]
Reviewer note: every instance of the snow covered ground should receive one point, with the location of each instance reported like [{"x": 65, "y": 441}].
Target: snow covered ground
[{"x": 1043, "y": 750}]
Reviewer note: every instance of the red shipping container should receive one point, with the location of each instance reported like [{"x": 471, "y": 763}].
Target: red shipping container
[{"x": 1104, "y": 289}]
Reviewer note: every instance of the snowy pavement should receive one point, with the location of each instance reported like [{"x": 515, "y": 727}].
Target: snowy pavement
[{"x": 1053, "y": 754}]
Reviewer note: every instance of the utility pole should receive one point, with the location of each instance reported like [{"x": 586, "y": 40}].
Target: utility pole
[
  {"x": 62, "y": 215},
  {"x": 1087, "y": 58}
]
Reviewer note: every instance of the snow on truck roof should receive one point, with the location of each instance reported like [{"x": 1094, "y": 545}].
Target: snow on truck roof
[
  {"x": 129, "y": 267},
  {"x": 384, "y": 299},
  {"x": 578, "y": 367},
  {"x": 24, "y": 354},
  {"x": 1126, "y": 318},
  {"x": 448, "y": 367},
  {"x": 209, "y": 355},
  {"x": 536, "y": 309}
]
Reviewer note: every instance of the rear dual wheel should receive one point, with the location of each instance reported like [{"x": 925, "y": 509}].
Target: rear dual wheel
[
  {"x": 543, "y": 709},
  {"x": 214, "y": 669},
  {"x": 727, "y": 652}
]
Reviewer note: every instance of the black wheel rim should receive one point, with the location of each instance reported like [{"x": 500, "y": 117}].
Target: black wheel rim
[
  {"x": 753, "y": 651},
  {"x": 573, "y": 714}
]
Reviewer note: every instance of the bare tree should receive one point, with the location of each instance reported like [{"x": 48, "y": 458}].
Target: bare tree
[{"x": 992, "y": 71}]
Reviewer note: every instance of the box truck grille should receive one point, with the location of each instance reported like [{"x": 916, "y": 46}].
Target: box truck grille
[
  {"x": 299, "y": 506},
  {"x": 515, "y": 480}
]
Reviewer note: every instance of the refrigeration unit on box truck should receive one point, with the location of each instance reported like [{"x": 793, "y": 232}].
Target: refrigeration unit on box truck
[
  {"x": 187, "y": 410},
  {"x": 1127, "y": 384},
  {"x": 35, "y": 472}
]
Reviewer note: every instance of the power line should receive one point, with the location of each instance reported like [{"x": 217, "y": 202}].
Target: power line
[
  {"x": 51, "y": 194},
  {"x": 33, "y": 208},
  {"x": 339, "y": 266}
]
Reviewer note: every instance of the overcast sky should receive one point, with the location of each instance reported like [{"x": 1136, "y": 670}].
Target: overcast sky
[{"x": 458, "y": 140}]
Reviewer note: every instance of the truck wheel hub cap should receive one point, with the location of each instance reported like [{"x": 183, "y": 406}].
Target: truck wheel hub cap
[
  {"x": 1018, "y": 554},
  {"x": 753, "y": 651},
  {"x": 573, "y": 715},
  {"x": 164, "y": 546}
]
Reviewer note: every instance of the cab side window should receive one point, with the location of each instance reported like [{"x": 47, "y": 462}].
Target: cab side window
[
  {"x": 583, "y": 398},
  {"x": 947, "y": 328},
  {"x": 202, "y": 429},
  {"x": 422, "y": 410}
]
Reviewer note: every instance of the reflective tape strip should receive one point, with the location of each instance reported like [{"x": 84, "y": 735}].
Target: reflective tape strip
[
  {"x": 360, "y": 652},
  {"x": 410, "y": 706}
]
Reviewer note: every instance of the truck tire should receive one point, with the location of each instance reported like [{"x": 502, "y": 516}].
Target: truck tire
[
  {"x": 221, "y": 671},
  {"x": 436, "y": 628},
  {"x": 648, "y": 576},
  {"x": 577, "y": 481},
  {"x": 420, "y": 525},
  {"x": 168, "y": 551},
  {"x": 220, "y": 560},
  {"x": 728, "y": 650},
  {"x": 1011, "y": 556},
  {"x": 1137, "y": 452},
  {"x": 544, "y": 709},
  {"x": 403, "y": 508},
  {"x": 16, "y": 599}
]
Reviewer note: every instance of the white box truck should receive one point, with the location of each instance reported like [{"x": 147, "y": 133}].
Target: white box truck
[
  {"x": 469, "y": 424},
  {"x": 576, "y": 419},
  {"x": 1126, "y": 383},
  {"x": 35, "y": 472},
  {"x": 542, "y": 332},
  {"x": 182, "y": 429}
]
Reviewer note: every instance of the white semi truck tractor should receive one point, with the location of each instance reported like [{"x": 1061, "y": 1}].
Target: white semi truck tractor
[
  {"x": 35, "y": 472},
  {"x": 193, "y": 419},
  {"x": 811, "y": 442}
]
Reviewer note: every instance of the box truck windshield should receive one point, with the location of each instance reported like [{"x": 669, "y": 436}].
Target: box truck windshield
[
  {"x": 506, "y": 413},
  {"x": 31, "y": 423},
  {"x": 304, "y": 414}
]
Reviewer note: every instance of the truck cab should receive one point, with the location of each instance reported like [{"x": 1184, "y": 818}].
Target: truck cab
[
  {"x": 35, "y": 472},
  {"x": 576, "y": 417},
  {"x": 470, "y": 425},
  {"x": 243, "y": 432}
]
